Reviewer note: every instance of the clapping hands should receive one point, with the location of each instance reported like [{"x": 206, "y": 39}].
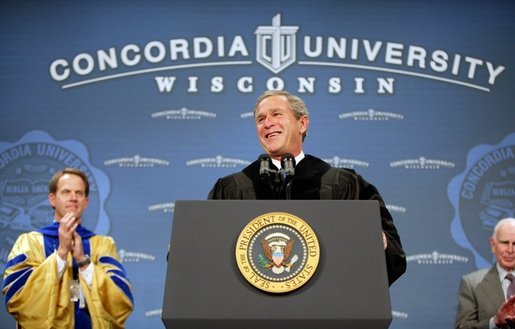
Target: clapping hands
[{"x": 505, "y": 317}]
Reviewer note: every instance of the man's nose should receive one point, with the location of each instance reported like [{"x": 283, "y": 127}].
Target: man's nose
[{"x": 269, "y": 121}]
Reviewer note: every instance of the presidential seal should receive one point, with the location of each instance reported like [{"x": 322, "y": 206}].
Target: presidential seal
[{"x": 277, "y": 252}]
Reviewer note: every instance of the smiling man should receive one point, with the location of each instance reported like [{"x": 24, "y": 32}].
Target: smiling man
[
  {"x": 282, "y": 122},
  {"x": 486, "y": 299},
  {"x": 63, "y": 275}
]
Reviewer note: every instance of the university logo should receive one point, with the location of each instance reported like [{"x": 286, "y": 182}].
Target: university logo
[
  {"x": 396, "y": 208},
  {"x": 277, "y": 252},
  {"x": 276, "y": 45},
  {"x": 154, "y": 313},
  {"x": 25, "y": 170},
  {"x": 482, "y": 195},
  {"x": 422, "y": 163},
  {"x": 218, "y": 161},
  {"x": 183, "y": 114},
  {"x": 338, "y": 162},
  {"x": 399, "y": 315},
  {"x": 436, "y": 258},
  {"x": 137, "y": 161},
  {"x": 135, "y": 257},
  {"x": 164, "y": 207},
  {"x": 276, "y": 49},
  {"x": 370, "y": 115}
]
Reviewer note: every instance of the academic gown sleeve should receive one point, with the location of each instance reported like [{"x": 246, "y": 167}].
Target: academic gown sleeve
[
  {"x": 358, "y": 188},
  {"x": 34, "y": 295},
  {"x": 109, "y": 300},
  {"x": 233, "y": 187},
  {"x": 346, "y": 184}
]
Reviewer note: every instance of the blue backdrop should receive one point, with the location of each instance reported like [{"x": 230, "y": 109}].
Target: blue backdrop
[{"x": 153, "y": 100}]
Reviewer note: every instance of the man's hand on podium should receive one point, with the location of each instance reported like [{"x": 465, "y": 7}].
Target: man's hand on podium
[{"x": 385, "y": 242}]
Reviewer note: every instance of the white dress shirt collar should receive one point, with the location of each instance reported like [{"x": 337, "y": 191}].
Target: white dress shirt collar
[{"x": 299, "y": 157}]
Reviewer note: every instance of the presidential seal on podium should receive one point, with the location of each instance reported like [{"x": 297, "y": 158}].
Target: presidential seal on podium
[{"x": 277, "y": 252}]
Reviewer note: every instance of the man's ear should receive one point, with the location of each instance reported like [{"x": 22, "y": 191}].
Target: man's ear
[
  {"x": 51, "y": 199},
  {"x": 492, "y": 244},
  {"x": 304, "y": 123}
]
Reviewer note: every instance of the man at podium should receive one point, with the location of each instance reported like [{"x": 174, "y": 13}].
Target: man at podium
[{"x": 285, "y": 172}]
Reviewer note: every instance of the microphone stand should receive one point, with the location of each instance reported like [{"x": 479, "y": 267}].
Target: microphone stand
[
  {"x": 278, "y": 180},
  {"x": 277, "y": 185},
  {"x": 271, "y": 176},
  {"x": 288, "y": 170},
  {"x": 287, "y": 181}
]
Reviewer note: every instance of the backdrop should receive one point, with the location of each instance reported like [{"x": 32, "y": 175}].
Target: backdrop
[{"x": 153, "y": 100}]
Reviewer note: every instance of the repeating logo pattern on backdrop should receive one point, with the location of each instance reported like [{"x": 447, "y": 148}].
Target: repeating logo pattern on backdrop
[
  {"x": 337, "y": 58},
  {"x": 482, "y": 195},
  {"x": 25, "y": 170}
]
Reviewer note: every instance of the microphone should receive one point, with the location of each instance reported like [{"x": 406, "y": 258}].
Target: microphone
[
  {"x": 265, "y": 173},
  {"x": 288, "y": 164},
  {"x": 264, "y": 166},
  {"x": 288, "y": 167}
]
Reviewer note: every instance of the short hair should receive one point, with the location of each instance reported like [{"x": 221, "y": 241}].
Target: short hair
[
  {"x": 52, "y": 185},
  {"x": 297, "y": 105},
  {"x": 500, "y": 223}
]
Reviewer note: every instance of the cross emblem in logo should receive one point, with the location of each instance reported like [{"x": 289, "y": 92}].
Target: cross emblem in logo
[{"x": 275, "y": 45}]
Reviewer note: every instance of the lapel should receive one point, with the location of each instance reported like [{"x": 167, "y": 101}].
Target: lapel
[{"x": 491, "y": 289}]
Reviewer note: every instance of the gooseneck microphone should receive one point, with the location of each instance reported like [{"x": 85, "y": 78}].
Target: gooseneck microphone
[
  {"x": 264, "y": 166},
  {"x": 288, "y": 164},
  {"x": 268, "y": 175},
  {"x": 288, "y": 168},
  {"x": 279, "y": 181}
]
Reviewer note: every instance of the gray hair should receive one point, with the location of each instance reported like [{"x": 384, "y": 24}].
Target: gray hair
[{"x": 500, "y": 223}]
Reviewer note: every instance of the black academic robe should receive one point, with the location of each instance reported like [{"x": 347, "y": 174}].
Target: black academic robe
[{"x": 315, "y": 179}]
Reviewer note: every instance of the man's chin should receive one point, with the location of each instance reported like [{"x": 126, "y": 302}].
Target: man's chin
[
  {"x": 275, "y": 155},
  {"x": 75, "y": 212},
  {"x": 509, "y": 266}
]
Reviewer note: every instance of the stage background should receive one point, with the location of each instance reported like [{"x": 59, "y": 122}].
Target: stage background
[{"x": 419, "y": 101}]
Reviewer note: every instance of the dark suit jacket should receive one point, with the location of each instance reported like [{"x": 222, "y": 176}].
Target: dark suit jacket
[{"x": 480, "y": 296}]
